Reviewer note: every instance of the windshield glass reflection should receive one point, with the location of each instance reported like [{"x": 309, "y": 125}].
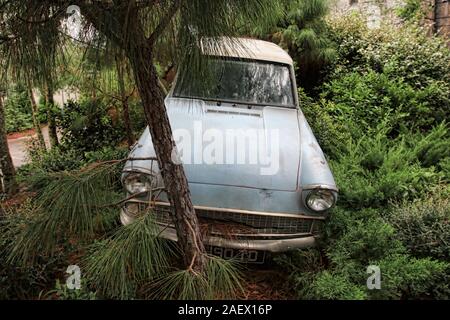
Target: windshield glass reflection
[{"x": 246, "y": 81}]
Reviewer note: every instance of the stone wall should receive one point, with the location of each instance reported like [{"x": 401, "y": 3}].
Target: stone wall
[
  {"x": 437, "y": 18},
  {"x": 441, "y": 17},
  {"x": 374, "y": 10}
]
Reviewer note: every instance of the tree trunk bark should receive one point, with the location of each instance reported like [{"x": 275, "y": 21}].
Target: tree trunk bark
[
  {"x": 124, "y": 100},
  {"x": 8, "y": 182},
  {"x": 34, "y": 114},
  {"x": 138, "y": 49},
  {"x": 176, "y": 184},
  {"x": 50, "y": 104}
]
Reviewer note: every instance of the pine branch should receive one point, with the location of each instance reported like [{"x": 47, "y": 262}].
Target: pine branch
[{"x": 164, "y": 22}]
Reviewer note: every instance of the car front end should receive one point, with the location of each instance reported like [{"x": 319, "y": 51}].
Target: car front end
[{"x": 258, "y": 179}]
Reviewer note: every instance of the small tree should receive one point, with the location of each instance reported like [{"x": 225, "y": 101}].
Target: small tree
[
  {"x": 48, "y": 93},
  {"x": 301, "y": 29},
  {"x": 34, "y": 112}
]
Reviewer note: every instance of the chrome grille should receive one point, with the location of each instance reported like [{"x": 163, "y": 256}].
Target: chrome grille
[{"x": 245, "y": 223}]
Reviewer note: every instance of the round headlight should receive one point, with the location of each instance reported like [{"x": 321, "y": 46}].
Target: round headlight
[
  {"x": 137, "y": 183},
  {"x": 320, "y": 200}
]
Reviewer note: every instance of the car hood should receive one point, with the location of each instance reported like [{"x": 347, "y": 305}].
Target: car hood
[{"x": 232, "y": 146}]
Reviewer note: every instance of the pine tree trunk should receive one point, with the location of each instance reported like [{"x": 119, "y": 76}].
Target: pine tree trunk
[
  {"x": 175, "y": 181},
  {"x": 34, "y": 114},
  {"x": 124, "y": 100},
  {"x": 50, "y": 104},
  {"x": 139, "y": 52},
  {"x": 8, "y": 185}
]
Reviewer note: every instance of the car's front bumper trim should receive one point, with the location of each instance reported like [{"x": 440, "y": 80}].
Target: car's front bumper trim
[{"x": 272, "y": 245}]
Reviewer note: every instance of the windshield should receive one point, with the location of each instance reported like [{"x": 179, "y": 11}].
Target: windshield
[{"x": 243, "y": 81}]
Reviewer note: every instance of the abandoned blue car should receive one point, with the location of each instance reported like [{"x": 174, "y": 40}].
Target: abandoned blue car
[{"x": 258, "y": 178}]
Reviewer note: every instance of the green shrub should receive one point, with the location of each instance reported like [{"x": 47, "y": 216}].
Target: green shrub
[
  {"x": 366, "y": 99},
  {"x": 362, "y": 242},
  {"x": 87, "y": 126},
  {"x": 106, "y": 154},
  {"x": 412, "y": 10},
  {"x": 381, "y": 118},
  {"x": 42, "y": 110},
  {"x": 358, "y": 239},
  {"x": 379, "y": 74},
  {"x": 302, "y": 265},
  {"x": 37, "y": 173},
  {"x": 424, "y": 225},
  {"x": 444, "y": 164},
  {"x": 403, "y": 277},
  {"x": 54, "y": 159},
  {"x": 18, "y": 281},
  {"x": 137, "y": 117},
  {"x": 332, "y": 135},
  {"x": 329, "y": 286},
  {"x": 408, "y": 53},
  {"x": 18, "y": 110},
  {"x": 376, "y": 170},
  {"x": 432, "y": 149}
]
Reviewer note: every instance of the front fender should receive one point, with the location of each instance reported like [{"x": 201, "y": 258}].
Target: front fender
[{"x": 314, "y": 170}]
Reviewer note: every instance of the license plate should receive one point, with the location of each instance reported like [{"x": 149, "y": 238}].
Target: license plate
[{"x": 241, "y": 255}]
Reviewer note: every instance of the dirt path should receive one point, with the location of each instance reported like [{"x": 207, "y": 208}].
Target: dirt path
[{"x": 18, "y": 145}]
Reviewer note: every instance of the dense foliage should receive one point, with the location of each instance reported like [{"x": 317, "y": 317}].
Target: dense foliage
[
  {"x": 18, "y": 110},
  {"x": 89, "y": 125},
  {"x": 302, "y": 31},
  {"x": 381, "y": 119}
]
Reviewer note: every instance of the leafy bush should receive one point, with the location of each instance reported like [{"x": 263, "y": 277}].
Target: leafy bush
[
  {"x": 403, "y": 74},
  {"x": 332, "y": 135},
  {"x": 137, "y": 117},
  {"x": 408, "y": 53},
  {"x": 405, "y": 277},
  {"x": 424, "y": 225},
  {"x": 18, "y": 110},
  {"x": 303, "y": 266},
  {"x": 376, "y": 170},
  {"x": 18, "y": 281},
  {"x": 89, "y": 126},
  {"x": 54, "y": 159},
  {"x": 412, "y": 10},
  {"x": 366, "y": 99},
  {"x": 42, "y": 109},
  {"x": 38, "y": 174},
  {"x": 358, "y": 239},
  {"x": 433, "y": 149},
  {"x": 402, "y": 277},
  {"x": 106, "y": 154},
  {"x": 35, "y": 174},
  {"x": 331, "y": 286}
]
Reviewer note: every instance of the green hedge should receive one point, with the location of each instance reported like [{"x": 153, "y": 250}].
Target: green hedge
[{"x": 380, "y": 118}]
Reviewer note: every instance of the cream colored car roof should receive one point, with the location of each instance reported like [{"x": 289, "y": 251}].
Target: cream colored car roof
[{"x": 245, "y": 48}]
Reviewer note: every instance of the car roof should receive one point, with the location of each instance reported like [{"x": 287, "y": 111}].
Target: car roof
[{"x": 245, "y": 48}]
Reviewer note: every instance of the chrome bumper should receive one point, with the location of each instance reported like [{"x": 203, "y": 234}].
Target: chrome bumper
[{"x": 273, "y": 245}]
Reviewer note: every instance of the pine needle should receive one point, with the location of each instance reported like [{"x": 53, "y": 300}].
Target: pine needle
[{"x": 116, "y": 266}]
